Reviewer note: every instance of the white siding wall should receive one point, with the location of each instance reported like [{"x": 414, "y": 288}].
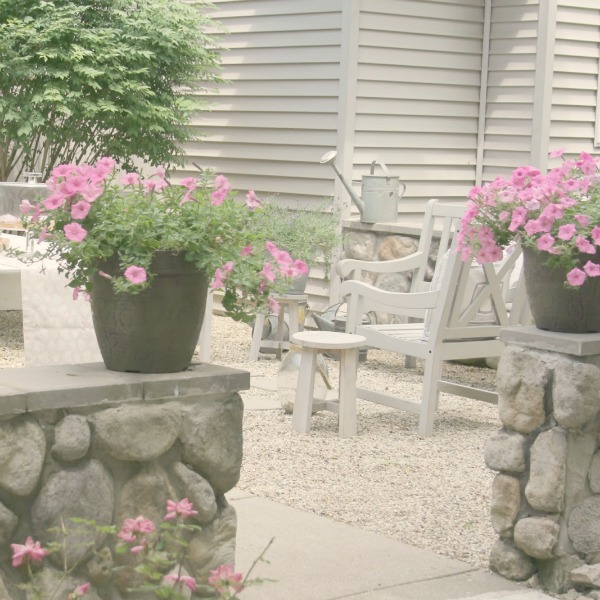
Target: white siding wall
[
  {"x": 277, "y": 114},
  {"x": 417, "y": 98},
  {"x": 575, "y": 82},
  {"x": 510, "y": 93}
]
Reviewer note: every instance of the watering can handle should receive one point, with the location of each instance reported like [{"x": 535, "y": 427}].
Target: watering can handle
[{"x": 382, "y": 165}]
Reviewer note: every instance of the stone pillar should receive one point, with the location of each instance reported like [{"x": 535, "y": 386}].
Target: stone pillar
[
  {"x": 81, "y": 441},
  {"x": 546, "y": 495}
]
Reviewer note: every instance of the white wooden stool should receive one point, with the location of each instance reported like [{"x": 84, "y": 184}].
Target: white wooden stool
[
  {"x": 291, "y": 302},
  {"x": 313, "y": 342}
]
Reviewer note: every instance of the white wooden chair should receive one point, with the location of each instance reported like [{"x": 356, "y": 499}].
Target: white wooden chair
[{"x": 458, "y": 315}]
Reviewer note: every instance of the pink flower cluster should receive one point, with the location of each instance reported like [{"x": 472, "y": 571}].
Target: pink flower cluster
[
  {"x": 224, "y": 577},
  {"x": 285, "y": 266},
  {"x": 555, "y": 213}
]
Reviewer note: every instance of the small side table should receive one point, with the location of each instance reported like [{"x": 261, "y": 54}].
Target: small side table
[
  {"x": 313, "y": 342},
  {"x": 289, "y": 302}
]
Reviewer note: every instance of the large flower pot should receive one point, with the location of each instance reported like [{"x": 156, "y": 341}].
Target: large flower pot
[
  {"x": 155, "y": 331},
  {"x": 555, "y": 307}
]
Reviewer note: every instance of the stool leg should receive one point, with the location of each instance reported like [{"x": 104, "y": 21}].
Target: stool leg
[
  {"x": 347, "y": 407},
  {"x": 304, "y": 392},
  {"x": 280, "y": 322},
  {"x": 257, "y": 336},
  {"x": 293, "y": 309}
]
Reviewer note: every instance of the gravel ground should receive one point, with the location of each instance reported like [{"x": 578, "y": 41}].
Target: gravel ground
[{"x": 432, "y": 493}]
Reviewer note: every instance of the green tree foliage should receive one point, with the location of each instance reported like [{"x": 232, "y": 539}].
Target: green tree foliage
[{"x": 81, "y": 79}]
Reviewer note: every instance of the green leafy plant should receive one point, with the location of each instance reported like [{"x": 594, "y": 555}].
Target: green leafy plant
[
  {"x": 93, "y": 214},
  {"x": 81, "y": 79},
  {"x": 308, "y": 234},
  {"x": 159, "y": 552}
]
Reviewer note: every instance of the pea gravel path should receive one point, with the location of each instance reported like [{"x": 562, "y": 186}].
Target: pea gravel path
[{"x": 432, "y": 493}]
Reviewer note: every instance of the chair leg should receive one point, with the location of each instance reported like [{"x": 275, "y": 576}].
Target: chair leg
[
  {"x": 429, "y": 399},
  {"x": 347, "y": 400},
  {"x": 257, "y": 336},
  {"x": 305, "y": 391}
]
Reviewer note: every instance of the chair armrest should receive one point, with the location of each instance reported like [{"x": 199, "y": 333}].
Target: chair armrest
[
  {"x": 397, "y": 265},
  {"x": 394, "y": 302}
]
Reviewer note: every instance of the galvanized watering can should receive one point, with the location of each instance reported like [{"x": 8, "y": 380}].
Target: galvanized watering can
[{"x": 380, "y": 193}]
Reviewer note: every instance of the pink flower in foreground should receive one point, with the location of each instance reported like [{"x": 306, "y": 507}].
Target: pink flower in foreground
[
  {"x": 252, "y": 201},
  {"x": 273, "y": 305},
  {"x": 26, "y": 207},
  {"x": 267, "y": 272},
  {"x": 591, "y": 269},
  {"x": 576, "y": 277},
  {"x": 186, "y": 580},
  {"x": 246, "y": 250},
  {"x": 219, "y": 279},
  {"x": 80, "y": 209},
  {"x": 545, "y": 242},
  {"x": 82, "y": 590},
  {"x": 566, "y": 232},
  {"x": 223, "y": 577},
  {"x": 130, "y": 179},
  {"x": 183, "y": 508},
  {"x": 135, "y": 274},
  {"x": 30, "y": 550},
  {"x": 132, "y": 528},
  {"x": 74, "y": 232},
  {"x": 556, "y": 153},
  {"x": 54, "y": 201},
  {"x": 584, "y": 245}
]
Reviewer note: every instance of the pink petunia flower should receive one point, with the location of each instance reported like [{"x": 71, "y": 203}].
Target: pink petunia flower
[
  {"x": 591, "y": 269},
  {"x": 566, "y": 232},
  {"x": 26, "y": 207},
  {"x": 74, "y": 232},
  {"x": 80, "y": 209},
  {"x": 186, "y": 580},
  {"x": 556, "y": 153},
  {"x": 130, "y": 179},
  {"x": 576, "y": 277},
  {"x": 273, "y": 305},
  {"x": 54, "y": 201},
  {"x": 133, "y": 528},
  {"x": 223, "y": 577},
  {"x": 135, "y": 274},
  {"x": 183, "y": 508},
  {"x": 545, "y": 242},
  {"x": 252, "y": 201},
  {"x": 246, "y": 250},
  {"x": 218, "y": 280},
  {"x": 267, "y": 272},
  {"x": 30, "y": 550},
  {"x": 584, "y": 245}
]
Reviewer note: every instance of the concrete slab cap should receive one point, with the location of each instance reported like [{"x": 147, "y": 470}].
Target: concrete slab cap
[
  {"x": 63, "y": 386},
  {"x": 576, "y": 344}
]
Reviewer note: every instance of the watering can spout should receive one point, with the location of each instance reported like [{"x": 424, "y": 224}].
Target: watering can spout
[{"x": 329, "y": 159}]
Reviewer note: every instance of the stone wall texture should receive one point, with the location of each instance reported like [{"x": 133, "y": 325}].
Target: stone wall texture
[
  {"x": 546, "y": 495},
  {"x": 105, "y": 462},
  {"x": 377, "y": 245}
]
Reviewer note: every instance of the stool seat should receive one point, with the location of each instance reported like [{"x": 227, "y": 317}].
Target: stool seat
[
  {"x": 311, "y": 344},
  {"x": 328, "y": 340}
]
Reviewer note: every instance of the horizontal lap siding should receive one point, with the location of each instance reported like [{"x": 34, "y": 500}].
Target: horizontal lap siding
[
  {"x": 575, "y": 81},
  {"x": 511, "y": 81},
  {"x": 419, "y": 64},
  {"x": 278, "y": 111}
]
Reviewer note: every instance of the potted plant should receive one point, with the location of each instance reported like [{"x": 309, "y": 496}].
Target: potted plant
[
  {"x": 556, "y": 218},
  {"x": 145, "y": 251},
  {"x": 311, "y": 235}
]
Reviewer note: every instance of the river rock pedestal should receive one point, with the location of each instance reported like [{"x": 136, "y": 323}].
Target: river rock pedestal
[
  {"x": 81, "y": 441},
  {"x": 546, "y": 494}
]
